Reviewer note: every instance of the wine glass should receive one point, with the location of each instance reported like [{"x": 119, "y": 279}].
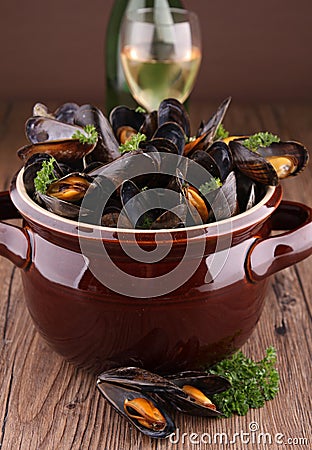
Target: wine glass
[{"x": 160, "y": 54}]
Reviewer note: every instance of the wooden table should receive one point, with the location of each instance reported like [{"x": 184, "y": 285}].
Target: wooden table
[{"x": 48, "y": 404}]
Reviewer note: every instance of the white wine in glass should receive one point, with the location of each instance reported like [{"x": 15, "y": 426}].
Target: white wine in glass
[{"x": 160, "y": 54}]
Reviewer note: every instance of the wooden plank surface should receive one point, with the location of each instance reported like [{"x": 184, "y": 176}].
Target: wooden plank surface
[{"x": 48, "y": 404}]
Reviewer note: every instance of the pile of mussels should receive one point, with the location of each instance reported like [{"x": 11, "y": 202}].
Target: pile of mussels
[
  {"x": 232, "y": 178},
  {"x": 144, "y": 398}
]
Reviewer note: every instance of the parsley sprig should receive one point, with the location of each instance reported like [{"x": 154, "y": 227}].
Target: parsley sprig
[
  {"x": 89, "y": 137},
  {"x": 132, "y": 143},
  {"x": 253, "y": 383},
  {"x": 261, "y": 139},
  {"x": 45, "y": 176},
  {"x": 209, "y": 186},
  {"x": 221, "y": 133}
]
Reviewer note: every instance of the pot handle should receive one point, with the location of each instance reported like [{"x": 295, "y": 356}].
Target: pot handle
[
  {"x": 269, "y": 255},
  {"x": 14, "y": 241}
]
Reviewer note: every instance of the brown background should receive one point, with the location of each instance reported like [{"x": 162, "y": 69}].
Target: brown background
[{"x": 253, "y": 50}]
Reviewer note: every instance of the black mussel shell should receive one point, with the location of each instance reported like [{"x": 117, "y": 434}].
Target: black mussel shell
[
  {"x": 107, "y": 147},
  {"x": 59, "y": 207},
  {"x": 138, "y": 165},
  {"x": 42, "y": 129},
  {"x": 207, "y": 130},
  {"x": 222, "y": 155},
  {"x": 225, "y": 203},
  {"x": 141, "y": 207},
  {"x": 66, "y": 112},
  {"x": 172, "y": 132},
  {"x": 196, "y": 388},
  {"x": 210, "y": 383},
  {"x": 150, "y": 124},
  {"x": 287, "y": 158},
  {"x": 171, "y": 110},
  {"x": 207, "y": 162},
  {"x": 123, "y": 117},
  {"x": 253, "y": 165},
  {"x": 210, "y": 127},
  {"x": 248, "y": 192},
  {"x": 67, "y": 151},
  {"x": 150, "y": 418},
  {"x": 33, "y": 166},
  {"x": 135, "y": 377}
]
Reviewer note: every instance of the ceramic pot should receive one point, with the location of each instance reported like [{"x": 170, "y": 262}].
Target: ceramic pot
[{"x": 210, "y": 313}]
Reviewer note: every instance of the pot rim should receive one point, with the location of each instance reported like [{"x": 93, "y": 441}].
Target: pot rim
[{"x": 35, "y": 214}]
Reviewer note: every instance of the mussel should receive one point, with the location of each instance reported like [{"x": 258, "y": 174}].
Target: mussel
[
  {"x": 267, "y": 165},
  {"x": 141, "y": 410},
  {"x": 167, "y": 181},
  {"x": 125, "y": 122},
  {"x": 67, "y": 151},
  {"x": 143, "y": 397},
  {"x": 107, "y": 147}
]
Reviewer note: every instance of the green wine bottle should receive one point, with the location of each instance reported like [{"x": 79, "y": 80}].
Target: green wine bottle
[{"x": 117, "y": 92}]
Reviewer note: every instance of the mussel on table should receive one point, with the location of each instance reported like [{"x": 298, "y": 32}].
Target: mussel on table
[{"x": 143, "y": 397}]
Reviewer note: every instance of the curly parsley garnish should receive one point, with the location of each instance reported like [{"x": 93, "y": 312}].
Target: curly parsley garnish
[
  {"x": 45, "y": 176},
  {"x": 221, "y": 133},
  {"x": 209, "y": 186},
  {"x": 253, "y": 383},
  {"x": 132, "y": 143},
  {"x": 90, "y": 136},
  {"x": 262, "y": 139}
]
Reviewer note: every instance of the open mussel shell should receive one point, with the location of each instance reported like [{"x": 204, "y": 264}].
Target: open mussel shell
[
  {"x": 66, "y": 112},
  {"x": 225, "y": 203},
  {"x": 248, "y": 192},
  {"x": 209, "y": 128},
  {"x": 212, "y": 384},
  {"x": 135, "y": 377},
  {"x": 42, "y": 129},
  {"x": 171, "y": 110},
  {"x": 197, "y": 387},
  {"x": 125, "y": 122},
  {"x": 126, "y": 166},
  {"x": 135, "y": 205},
  {"x": 222, "y": 156},
  {"x": 33, "y": 166},
  {"x": 208, "y": 163},
  {"x": 67, "y": 151},
  {"x": 287, "y": 158},
  {"x": 143, "y": 411},
  {"x": 171, "y": 132},
  {"x": 59, "y": 207},
  {"x": 71, "y": 188},
  {"x": 253, "y": 165},
  {"x": 150, "y": 124},
  {"x": 107, "y": 147}
]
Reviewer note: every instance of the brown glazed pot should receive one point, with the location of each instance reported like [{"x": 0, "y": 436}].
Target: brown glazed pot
[{"x": 204, "y": 319}]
